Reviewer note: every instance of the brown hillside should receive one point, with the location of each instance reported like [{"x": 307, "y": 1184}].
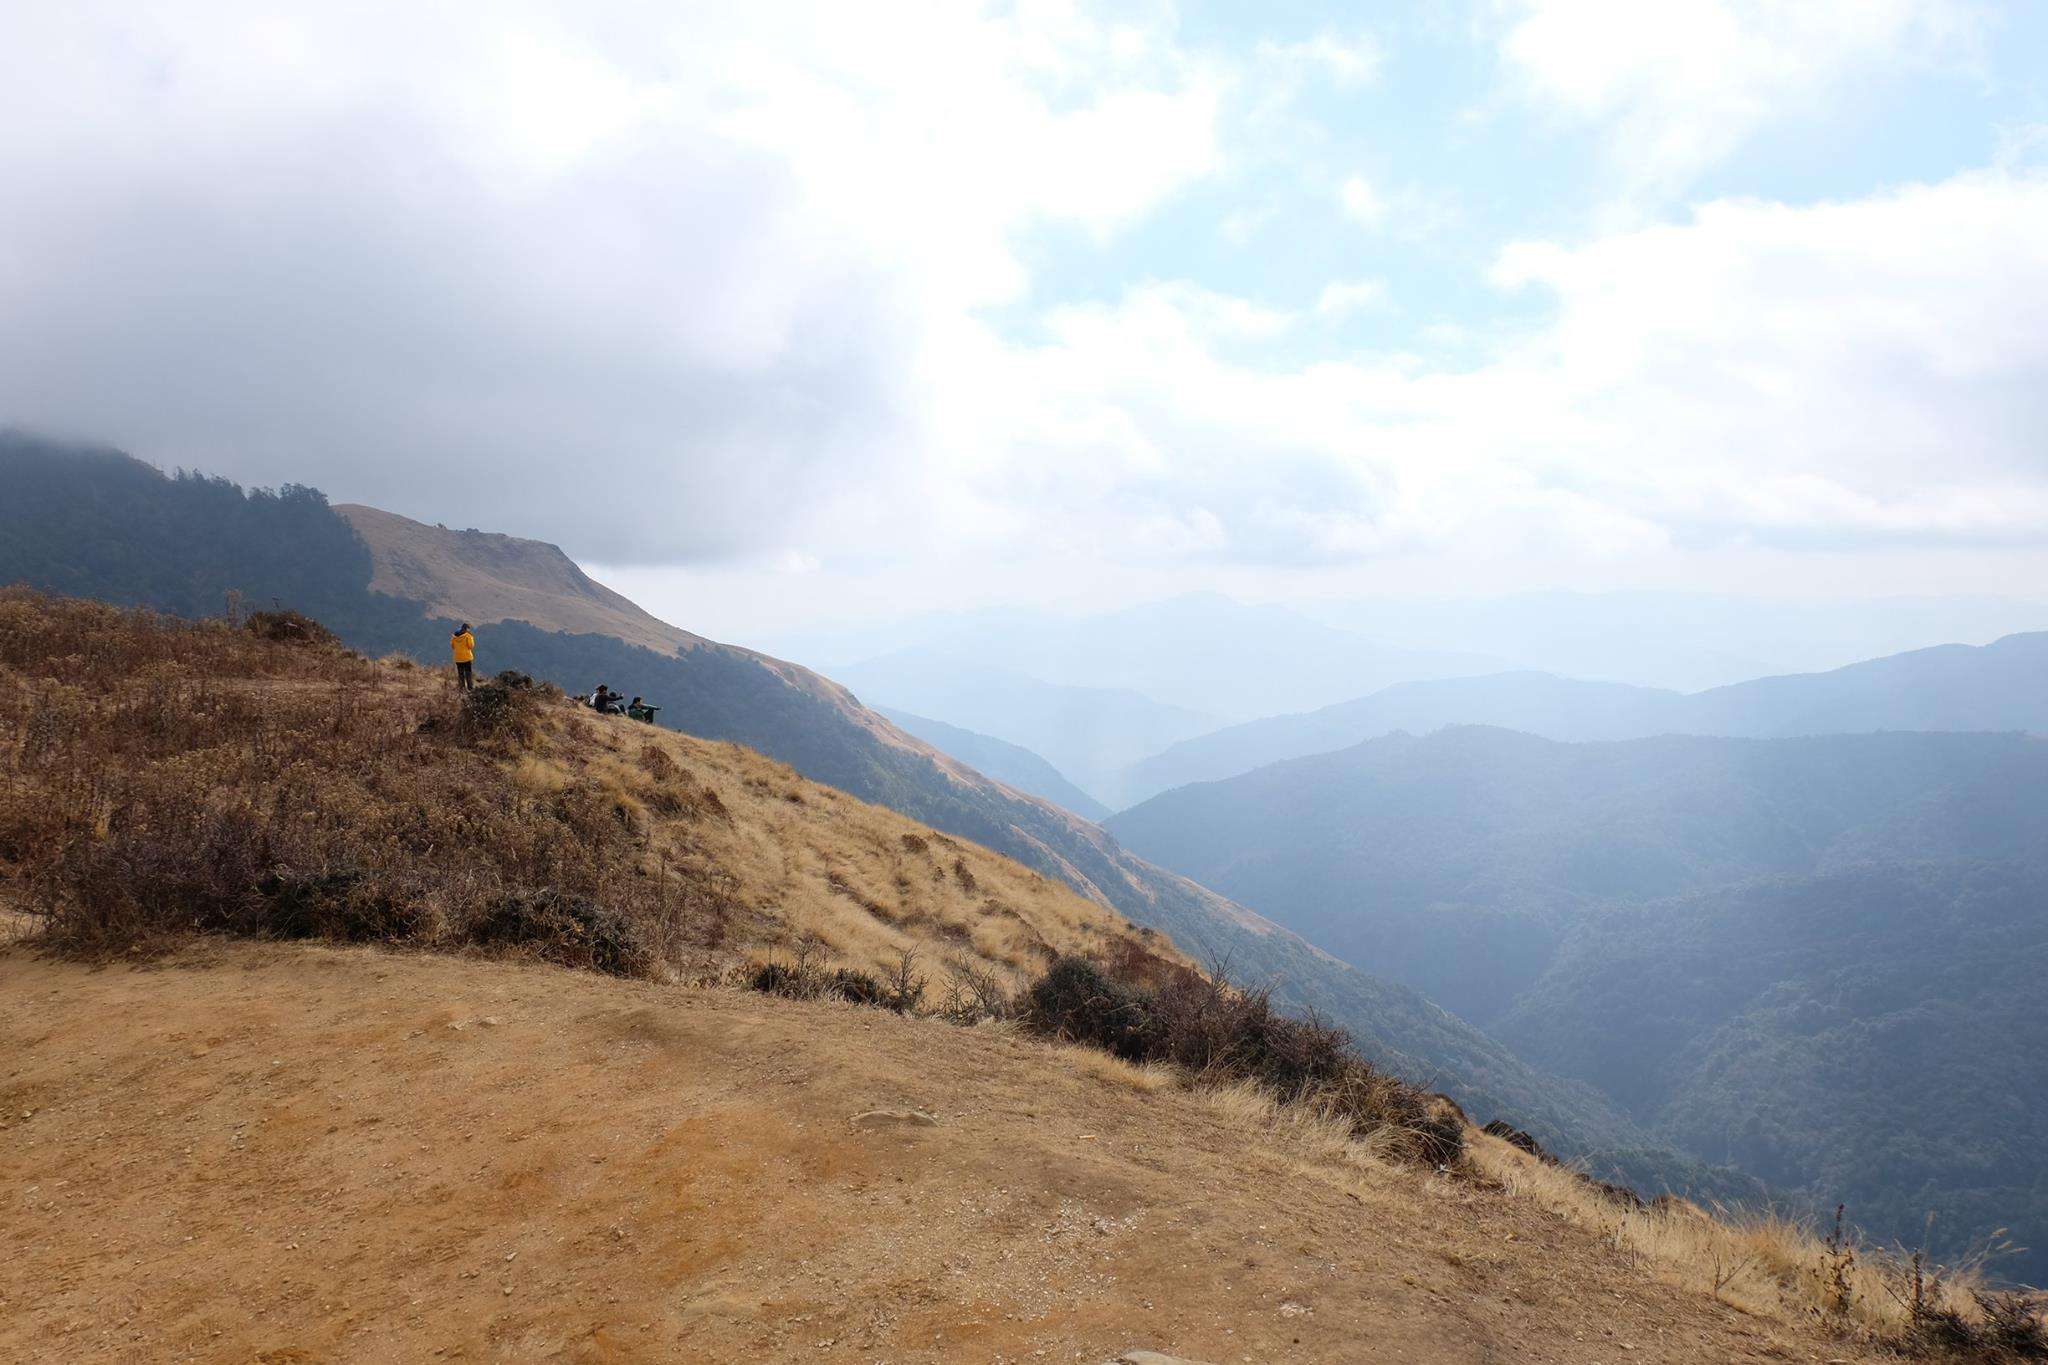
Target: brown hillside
[
  {"x": 484, "y": 578},
  {"x": 308, "y": 1154},
  {"x": 251, "y": 784}
]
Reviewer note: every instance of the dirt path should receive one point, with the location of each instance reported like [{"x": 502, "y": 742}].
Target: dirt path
[{"x": 318, "y": 1154}]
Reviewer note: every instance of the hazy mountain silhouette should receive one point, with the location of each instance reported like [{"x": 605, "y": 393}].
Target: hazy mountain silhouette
[
  {"x": 1999, "y": 686},
  {"x": 1091, "y": 734},
  {"x": 1011, "y": 764},
  {"x": 1201, "y": 652}
]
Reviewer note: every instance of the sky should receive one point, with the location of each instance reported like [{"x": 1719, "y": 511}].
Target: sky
[{"x": 791, "y": 312}]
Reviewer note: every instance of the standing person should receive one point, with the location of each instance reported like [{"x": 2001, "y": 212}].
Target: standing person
[{"x": 462, "y": 644}]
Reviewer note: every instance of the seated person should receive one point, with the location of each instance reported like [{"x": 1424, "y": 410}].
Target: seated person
[{"x": 639, "y": 710}]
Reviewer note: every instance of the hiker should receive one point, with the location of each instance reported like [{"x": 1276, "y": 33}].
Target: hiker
[
  {"x": 462, "y": 644},
  {"x": 639, "y": 710}
]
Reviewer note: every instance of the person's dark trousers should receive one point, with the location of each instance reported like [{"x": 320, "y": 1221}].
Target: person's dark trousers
[{"x": 464, "y": 677}]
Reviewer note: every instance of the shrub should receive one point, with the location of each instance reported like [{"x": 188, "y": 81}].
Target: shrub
[
  {"x": 1220, "y": 1034},
  {"x": 345, "y": 906},
  {"x": 288, "y": 627},
  {"x": 563, "y": 929},
  {"x": 1074, "y": 1000}
]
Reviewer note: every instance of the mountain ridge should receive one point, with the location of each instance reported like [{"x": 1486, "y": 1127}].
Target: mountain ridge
[{"x": 2002, "y": 685}]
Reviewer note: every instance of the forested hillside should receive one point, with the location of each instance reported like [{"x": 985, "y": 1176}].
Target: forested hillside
[{"x": 1816, "y": 958}]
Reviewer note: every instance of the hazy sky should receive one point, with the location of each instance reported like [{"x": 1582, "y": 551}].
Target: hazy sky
[{"x": 775, "y": 311}]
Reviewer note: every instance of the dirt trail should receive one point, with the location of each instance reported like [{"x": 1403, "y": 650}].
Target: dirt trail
[{"x": 298, "y": 1154}]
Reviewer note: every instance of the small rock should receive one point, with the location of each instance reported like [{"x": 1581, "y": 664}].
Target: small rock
[
  {"x": 1152, "y": 1358},
  {"x": 1291, "y": 1309}
]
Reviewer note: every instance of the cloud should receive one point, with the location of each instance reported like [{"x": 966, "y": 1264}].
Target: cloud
[
  {"x": 1858, "y": 374},
  {"x": 1361, "y": 202},
  {"x": 760, "y": 290},
  {"x": 1679, "y": 85},
  {"x": 613, "y": 274},
  {"x": 1346, "y": 61},
  {"x": 1341, "y": 298}
]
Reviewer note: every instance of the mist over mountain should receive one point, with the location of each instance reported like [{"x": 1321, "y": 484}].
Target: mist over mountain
[
  {"x": 1999, "y": 686},
  {"x": 1682, "y": 641},
  {"x": 1090, "y": 734},
  {"x": 1200, "y": 652},
  {"x": 1764, "y": 950},
  {"x": 1011, "y": 764}
]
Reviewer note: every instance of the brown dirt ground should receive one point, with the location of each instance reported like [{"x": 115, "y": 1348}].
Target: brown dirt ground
[{"x": 299, "y": 1154}]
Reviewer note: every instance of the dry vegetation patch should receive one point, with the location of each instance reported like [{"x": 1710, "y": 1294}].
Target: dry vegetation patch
[{"x": 1784, "y": 1267}]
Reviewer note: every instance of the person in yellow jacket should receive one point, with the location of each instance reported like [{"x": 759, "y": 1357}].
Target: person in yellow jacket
[{"x": 463, "y": 645}]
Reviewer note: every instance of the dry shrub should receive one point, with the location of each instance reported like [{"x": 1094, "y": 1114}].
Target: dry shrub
[
  {"x": 289, "y": 628},
  {"x": 214, "y": 780},
  {"x": 805, "y": 979},
  {"x": 656, "y": 763},
  {"x": 1221, "y": 1034},
  {"x": 914, "y": 844}
]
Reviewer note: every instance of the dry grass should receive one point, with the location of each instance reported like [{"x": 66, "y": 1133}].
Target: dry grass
[
  {"x": 1146, "y": 1080},
  {"x": 1761, "y": 1262},
  {"x": 160, "y": 777}
]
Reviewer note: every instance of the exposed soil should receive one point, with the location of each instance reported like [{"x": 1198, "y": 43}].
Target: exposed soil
[{"x": 298, "y": 1154}]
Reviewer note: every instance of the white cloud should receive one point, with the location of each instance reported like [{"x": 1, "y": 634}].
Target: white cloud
[
  {"x": 1346, "y": 61},
  {"x": 1341, "y": 298},
  {"x": 1361, "y": 202},
  {"x": 457, "y": 263},
  {"x": 1678, "y": 85},
  {"x": 1863, "y": 374}
]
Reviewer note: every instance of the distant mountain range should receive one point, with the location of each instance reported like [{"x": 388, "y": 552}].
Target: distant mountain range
[
  {"x": 1999, "y": 686},
  {"x": 94, "y": 522},
  {"x": 1201, "y": 653},
  {"x": 1090, "y": 734},
  {"x": 1816, "y": 956},
  {"x": 1011, "y": 764},
  {"x": 1684, "y": 641}
]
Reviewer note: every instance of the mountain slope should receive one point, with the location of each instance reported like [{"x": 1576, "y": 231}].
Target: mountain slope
[
  {"x": 1999, "y": 686},
  {"x": 1691, "y": 923},
  {"x": 1867, "y": 1033},
  {"x": 486, "y": 578},
  {"x": 110, "y": 527},
  {"x": 1011, "y": 764}
]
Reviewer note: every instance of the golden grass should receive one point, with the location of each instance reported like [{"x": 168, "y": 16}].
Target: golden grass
[
  {"x": 1760, "y": 1262},
  {"x": 1112, "y": 1070},
  {"x": 857, "y": 884}
]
